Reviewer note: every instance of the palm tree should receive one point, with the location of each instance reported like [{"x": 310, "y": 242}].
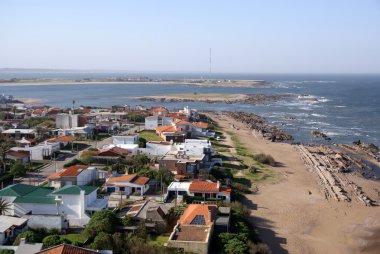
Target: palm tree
[{"x": 4, "y": 206}]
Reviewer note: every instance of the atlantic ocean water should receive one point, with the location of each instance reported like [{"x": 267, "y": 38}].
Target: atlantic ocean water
[{"x": 345, "y": 107}]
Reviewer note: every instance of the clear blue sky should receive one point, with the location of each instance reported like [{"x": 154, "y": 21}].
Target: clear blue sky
[{"x": 324, "y": 36}]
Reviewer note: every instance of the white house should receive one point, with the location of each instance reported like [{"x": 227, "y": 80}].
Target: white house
[
  {"x": 129, "y": 184},
  {"x": 10, "y": 227},
  {"x": 121, "y": 140},
  {"x": 152, "y": 122},
  {"x": 205, "y": 189},
  {"x": 73, "y": 175},
  {"x": 40, "y": 151},
  {"x": 66, "y": 121},
  {"x": 157, "y": 148},
  {"x": 48, "y": 208}
]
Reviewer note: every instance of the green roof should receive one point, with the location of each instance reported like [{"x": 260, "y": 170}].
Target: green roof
[
  {"x": 40, "y": 191},
  {"x": 17, "y": 190},
  {"x": 75, "y": 190},
  {"x": 36, "y": 200}
]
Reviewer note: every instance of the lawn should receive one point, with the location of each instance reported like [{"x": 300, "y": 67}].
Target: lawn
[
  {"x": 74, "y": 238},
  {"x": 159, "y": 240},
  {"x": 149, "y": 136}
]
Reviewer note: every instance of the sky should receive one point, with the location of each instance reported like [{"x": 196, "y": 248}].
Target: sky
[{"x": 252, "y": 36}]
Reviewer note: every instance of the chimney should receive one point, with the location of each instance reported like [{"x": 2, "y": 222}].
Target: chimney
[{"x": 218, "y": 184}]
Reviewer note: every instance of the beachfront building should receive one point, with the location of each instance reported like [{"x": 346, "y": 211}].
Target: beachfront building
[
  {"x": 180, "y": 163},
  {"x": 203, "y": 189}
]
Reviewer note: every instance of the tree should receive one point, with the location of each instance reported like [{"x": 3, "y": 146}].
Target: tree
[
  {"x": 87, "y": 158},
  {"x": 51, "y": 240},
  {"x": 4, "y": 206},
  {"x": 235, "y": 246},
  {"x": 126, "y": 221},
  {"x": 102, "y": 241},
  {"x": 18, "y": 169},
  {"x": 5, "y": 144},
  {"x": 102, "y": 221}
]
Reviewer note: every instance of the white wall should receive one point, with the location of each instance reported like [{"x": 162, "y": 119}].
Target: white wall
[
  {"x": 44, "y": 221},
  {"x": 71, "y": 205},
  {"x": 40, "y": 208},
  {"x": 87, "y": 176},
  {"x": 151, "y": 123}
]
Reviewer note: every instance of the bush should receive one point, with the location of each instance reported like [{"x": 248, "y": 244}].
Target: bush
[
  {"x": 7, "y": 251},
  {"x": 72, "y": 163},
  {"x": 102, "y": 221},
  {"x": 265, "y": 159},
  {"x": 29, "y": 236},
  {"x": 102, "y": 241},
  {"x": 51, "y": 240}
]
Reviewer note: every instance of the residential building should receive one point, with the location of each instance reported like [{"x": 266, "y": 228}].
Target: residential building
[
  {"x": 10, "y": 227},
  {"x": 70, "y": 249},
  {"x": 122, "y": 140},
  {"x": 20, "y": 133},
  {"x": 46, "y": 208},
  {"x": 73, "y": 175},
  {"x": 66, "y": 121},
  {"x": 194, "y": 229},
  {"x": 20, "y": 156},
  {"x": 196, "y": 188},
  {"x": 152, "y": 122},
  {"x": 130, "y": 185},
  {"x": 182, "y": 163}
]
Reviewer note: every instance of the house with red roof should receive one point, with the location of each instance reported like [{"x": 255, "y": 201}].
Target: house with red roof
[
  {"x": 70, "y": 249},
  {"x": 74, "y": 175},
  {"x": 129, "y": 185},
  {"x": 197, "y": 188},
  {"x": 194, "y": 229}
]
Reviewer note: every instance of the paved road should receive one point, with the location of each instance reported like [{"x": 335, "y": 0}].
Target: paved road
[{"x": 54, "y": 166}]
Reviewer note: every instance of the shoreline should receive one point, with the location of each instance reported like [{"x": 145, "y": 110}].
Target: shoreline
[
  {"x": 292, "y": 213},
  {"x": 232, "y": 83}
]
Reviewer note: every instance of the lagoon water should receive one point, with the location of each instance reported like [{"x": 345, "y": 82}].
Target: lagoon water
[{"x": 347, "y": 107}]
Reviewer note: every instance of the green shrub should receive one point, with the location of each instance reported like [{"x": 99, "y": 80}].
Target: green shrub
[
  {"x": 52, "y": 240},
  {"x": 30, "y": 236},
  {"x": 7, "y": 251},
  {"x": 265, "y": 159}
]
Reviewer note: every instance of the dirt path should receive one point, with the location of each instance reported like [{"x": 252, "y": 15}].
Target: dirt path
[{"x": 293, "y": 216}]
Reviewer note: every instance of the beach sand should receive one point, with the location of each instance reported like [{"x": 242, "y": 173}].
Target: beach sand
[{"x": 292, "y": 214}]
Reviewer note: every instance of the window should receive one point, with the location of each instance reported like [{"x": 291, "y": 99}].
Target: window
[{"x": 199, "y": 220}]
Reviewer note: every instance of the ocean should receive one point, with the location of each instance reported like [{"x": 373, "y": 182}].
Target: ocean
[{"x": 345, "y": 107}]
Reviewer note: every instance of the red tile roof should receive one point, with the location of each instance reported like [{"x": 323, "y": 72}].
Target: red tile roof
[
  {"x": 61, "y": 139},
  {"x": 124, "y": 178},
  {"x": 200, "y": 125},
  {"x": 203, "y": 187},
  {"x": 140, "y": 180},
  {"x": 70, "y": 171},
  {"x": 166, "y": 129},
  {"x": 112, "y": 152},
  {"x": 66, "y": 249},
  {"x": 225, "y": 190},
  {"x": 193, "y": 210},
  {"x": 181, "y": 122},
  {"x": 18, "y": 154}
]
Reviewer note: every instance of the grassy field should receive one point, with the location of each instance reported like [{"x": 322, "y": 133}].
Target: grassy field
[{"x": 149, "y": 136}]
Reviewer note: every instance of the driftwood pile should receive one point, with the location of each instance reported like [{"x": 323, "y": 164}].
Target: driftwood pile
[
  {"x": 329, "y": 165},
  {"x": 257, "y": 123}
]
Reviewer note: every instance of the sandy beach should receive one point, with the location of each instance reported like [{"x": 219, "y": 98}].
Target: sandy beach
[{"x": 291, "y": 212}]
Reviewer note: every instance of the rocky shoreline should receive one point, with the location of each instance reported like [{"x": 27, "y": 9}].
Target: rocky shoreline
[
  {"x": 243, "y": 99},
  {"x": 258, "y": 123}
]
